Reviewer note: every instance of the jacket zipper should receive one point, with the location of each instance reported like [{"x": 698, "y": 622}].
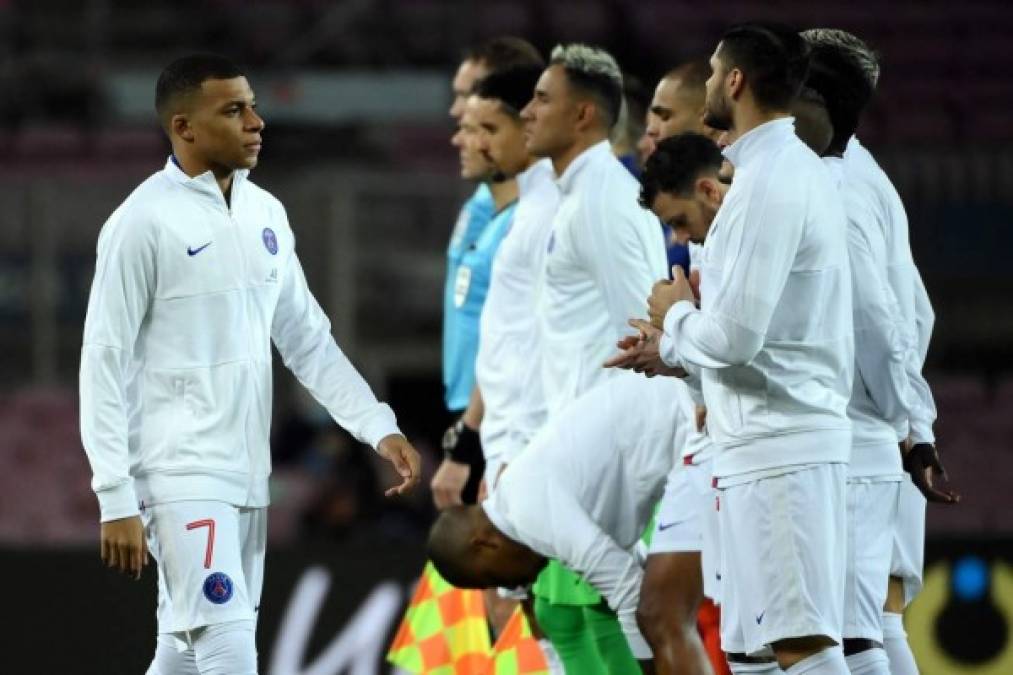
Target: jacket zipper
[{"x": 244, "y": 275}]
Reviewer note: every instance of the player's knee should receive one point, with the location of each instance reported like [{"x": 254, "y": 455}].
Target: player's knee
[
  {"x": 661, "y": 619},
  {"x": 227, "y": 649}
]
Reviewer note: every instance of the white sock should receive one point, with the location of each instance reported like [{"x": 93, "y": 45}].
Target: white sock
[
  {"x": 830, "y": 661},
  {"x": 169, "y": 660},
  {"x": 770, "y": 668},
  {"x": 870, "y": 662},
  {"x": 902, "y": 661},
  {"x": 227, "y": 649}
]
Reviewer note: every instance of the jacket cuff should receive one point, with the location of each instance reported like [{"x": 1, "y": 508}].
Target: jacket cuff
[
  {"x": 921, "y": 432},
  {"x": 667, "y": 348},
  {"x": 381, "y": 424},
  {"x": 119, "y": 501}
]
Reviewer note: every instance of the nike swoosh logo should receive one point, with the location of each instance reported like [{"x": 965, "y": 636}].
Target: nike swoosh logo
[
  {"x": 194, "y": 251},
  {"x": 759, "y": 617},
  {"x": 664, "y": 526}
]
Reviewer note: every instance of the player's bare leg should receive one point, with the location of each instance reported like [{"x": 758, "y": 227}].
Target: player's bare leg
[{"x": 670, "y": 596}]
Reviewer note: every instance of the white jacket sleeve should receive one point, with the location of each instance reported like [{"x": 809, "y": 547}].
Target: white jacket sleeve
[
  {"x": 611, "y": 570},
  {"x": 732, "y": 328},
  {"x": 624, "y": 259},
  {"x": 881, "y": 345},
  {"x": 124, "y": 283},
  {"x": 923, "y": 416},
  {"x": 302, "y": 333}
]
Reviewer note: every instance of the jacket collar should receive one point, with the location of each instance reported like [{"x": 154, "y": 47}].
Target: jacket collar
[
  {"x": 531, "y": 177},
  {"x": 204, "y": 183},
  {"x": 757, "y": 141},
  {"x": 568, "y": 180}
]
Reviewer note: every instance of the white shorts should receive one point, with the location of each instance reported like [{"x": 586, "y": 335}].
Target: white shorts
[
  {"x": 782, "y": 557},
  {"x": 872, "y": 514},
  {"x": 909, "y": 540},
  {"x": 687, "y": 520},
  {"x": 210, "y": 558},
  {"x": 677, "y": 525},
  {"x": 702, "y": 478}
]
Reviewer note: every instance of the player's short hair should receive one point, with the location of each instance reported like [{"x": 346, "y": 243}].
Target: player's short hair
[
  {"x": 675, "y": 165},
  {"x": 449, "y": 548},
  {"x": 502, "y": 53},
  {"x": 593, "y": 72},
  {"x": 866, "y": 57},
  {"x": 512, "y": 87},
  {"x": 692, "y": 76},
  {"x": 185, "y": 75},
  {"x": 842, "y": 83},
  {"x": 773, "y": 57}
]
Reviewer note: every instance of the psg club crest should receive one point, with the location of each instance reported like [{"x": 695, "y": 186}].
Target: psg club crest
[
  {"x": 270, "y": 241},
  {"x": 218, "y": 588}
]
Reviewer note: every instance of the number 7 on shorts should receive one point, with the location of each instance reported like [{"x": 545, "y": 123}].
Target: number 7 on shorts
[{"x": 209, "y": 551}]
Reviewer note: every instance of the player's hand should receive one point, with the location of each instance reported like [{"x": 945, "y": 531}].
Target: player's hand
[
  {"x": 448, "y": 483},
  {"x": 666, "y": 293},
  {"x": 398, "y": 451},
  {"x": 123, "y": 545},
  {"x": 922, "y": 462},
  {"x": 639, "y": 353}
]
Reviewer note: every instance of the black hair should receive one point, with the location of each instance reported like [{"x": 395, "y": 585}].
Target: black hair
[
  {"x": 185, "y": 75},
  {"x": 692, "y": 76},
  {"x": 675, "y": 165},
  {"x": 773, "y": 57},
  {"x": 845, "y": 89},
  {"x": 512, "y": 87},
  {"x": 502, "y": 53}
]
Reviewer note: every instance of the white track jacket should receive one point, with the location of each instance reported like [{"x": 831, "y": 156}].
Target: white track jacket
[
  {"x": 774, "y": 335},
  {"x": 903, "y": 276},
  {"x": 603, "y": 256},
  {"x": 175, "y": 376}
]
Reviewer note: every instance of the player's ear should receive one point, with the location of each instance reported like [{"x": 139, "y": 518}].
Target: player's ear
[
  {"x": 586, "y": 112},
  {"x": 180, "y": 126},
  {"x": 707, "y": 188},
  {"x": 736, "y": 82}
]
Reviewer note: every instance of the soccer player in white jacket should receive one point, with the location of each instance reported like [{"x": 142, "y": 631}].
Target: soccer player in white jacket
[
  {"x": 196, "y": 276},
  {"x": 680, "y": 564},
  {"x": 508, "y": 368},
  {"x": 882, "y": 396},
  {"x": 773, "y": 342},
  {"x": 888, "y": 527},
  {"x": 581, "y": 492},
  {"x": 603, "y": 254},
  {"x": 681, "y": 185}
]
